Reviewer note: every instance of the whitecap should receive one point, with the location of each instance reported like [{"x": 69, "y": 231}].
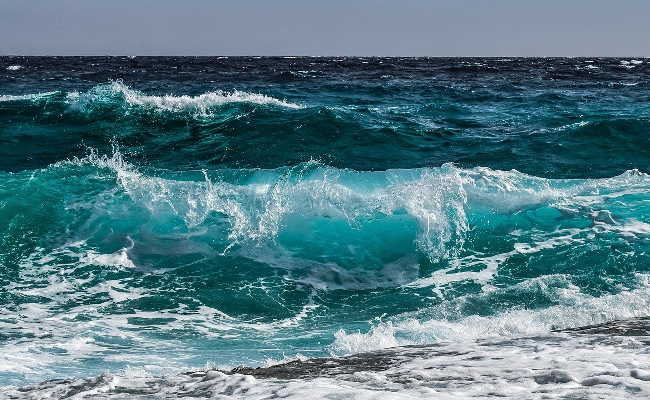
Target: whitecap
[
  {"x": 22, "y": 97},
  {"x": 200, "y": 104}
]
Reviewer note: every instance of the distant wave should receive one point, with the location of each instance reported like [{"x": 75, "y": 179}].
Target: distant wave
[
  {"x": 24, "y": 97},
  {"x": 116, "y": 94},
  {"x": 200, "y": 104}
]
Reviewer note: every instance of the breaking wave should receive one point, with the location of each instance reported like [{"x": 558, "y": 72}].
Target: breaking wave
[
  {"x": 117, "y": 94},
  {"x": 439, "y": 203},
  {"x": 29, "y": 97},
  {"x": 151, "y": 223},
  {"x": 452, "y": 247}
]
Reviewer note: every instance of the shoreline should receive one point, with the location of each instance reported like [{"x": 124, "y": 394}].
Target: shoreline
[{"x": 528, "y": 364}]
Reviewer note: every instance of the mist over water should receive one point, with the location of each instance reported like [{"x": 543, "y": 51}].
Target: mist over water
[{"x": 171, "y": 213}]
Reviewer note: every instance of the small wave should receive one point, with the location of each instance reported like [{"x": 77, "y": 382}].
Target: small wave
[
  {"x": 14, "y": 67},
  {"x": 26, "y": 97},
  {"x": 628, "y": 64},
  {"x": 624, "y": 83},
  {"x": 199, "y": 105}
]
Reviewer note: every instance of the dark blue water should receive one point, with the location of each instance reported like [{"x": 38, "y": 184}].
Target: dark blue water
[{"x": 171, "y": 212}]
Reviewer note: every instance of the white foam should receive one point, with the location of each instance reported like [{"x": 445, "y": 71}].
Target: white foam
[
  {"x": 118, "y": 259},
  {"x": 555, "y": 366},
  {"x": 574, "y": 309},
  {"x": 58, "y": 338},
  {"x": 14, "y": 67}
]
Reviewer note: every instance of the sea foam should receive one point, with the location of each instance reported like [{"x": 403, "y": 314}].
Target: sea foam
[{"x": 574, "y": 309}]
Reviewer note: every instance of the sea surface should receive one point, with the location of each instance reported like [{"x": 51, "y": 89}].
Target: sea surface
[{"x": 168, "y": 216}]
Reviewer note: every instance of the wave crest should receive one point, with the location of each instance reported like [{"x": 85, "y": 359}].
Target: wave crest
[
  {"x": 26, "y": 97},
  {"x": 117, "y": 94},
  {"x": 441, "y": 204},
  {"x": 198, "y": 105}
]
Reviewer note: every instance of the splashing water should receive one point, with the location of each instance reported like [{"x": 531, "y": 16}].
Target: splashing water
[{"x": 152, "y": 225}]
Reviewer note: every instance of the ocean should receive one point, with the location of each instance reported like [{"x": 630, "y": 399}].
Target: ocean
[{"x": 324, "y": 227}]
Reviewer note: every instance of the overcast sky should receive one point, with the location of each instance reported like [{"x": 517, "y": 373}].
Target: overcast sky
[{"x": 326, "y": 27}]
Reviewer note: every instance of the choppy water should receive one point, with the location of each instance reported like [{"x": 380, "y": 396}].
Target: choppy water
[{"x": 166, "y": 214}]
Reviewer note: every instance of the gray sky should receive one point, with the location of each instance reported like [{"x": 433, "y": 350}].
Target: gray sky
[{"x": 326, "y": 27}]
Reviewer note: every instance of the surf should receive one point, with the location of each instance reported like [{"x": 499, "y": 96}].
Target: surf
[{"x": 171, "y": 231}]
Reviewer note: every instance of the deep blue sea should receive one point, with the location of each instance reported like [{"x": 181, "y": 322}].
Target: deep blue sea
[{"x": 166, "y": 214}]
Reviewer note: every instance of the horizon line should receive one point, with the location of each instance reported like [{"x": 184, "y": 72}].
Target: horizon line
[{"x": 308, "y": 56}]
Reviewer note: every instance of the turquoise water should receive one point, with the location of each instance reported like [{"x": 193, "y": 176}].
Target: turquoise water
[{"x": 175, "y": 213}]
